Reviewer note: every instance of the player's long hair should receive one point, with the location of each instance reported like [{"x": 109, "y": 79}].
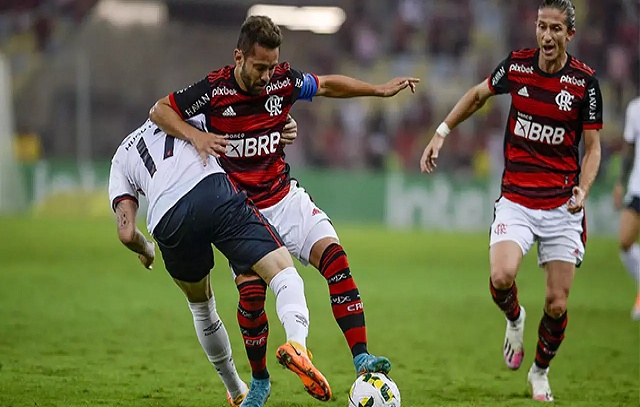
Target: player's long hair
[
  {"x": 259, "y": 30},
  {"x": 565, "y": 6}
]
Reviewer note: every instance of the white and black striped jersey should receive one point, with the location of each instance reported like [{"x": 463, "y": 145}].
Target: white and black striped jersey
[{"x": 159, "y": 166}]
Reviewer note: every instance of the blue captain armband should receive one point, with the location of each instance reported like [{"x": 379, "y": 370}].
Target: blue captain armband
[{"x": 309, "y": 87}]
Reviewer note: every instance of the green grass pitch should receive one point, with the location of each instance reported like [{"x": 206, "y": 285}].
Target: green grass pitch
[{"x": 83, "y": 324}]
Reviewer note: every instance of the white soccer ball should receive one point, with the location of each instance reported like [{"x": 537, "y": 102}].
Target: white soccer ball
[{"x": 374, "y": 390}]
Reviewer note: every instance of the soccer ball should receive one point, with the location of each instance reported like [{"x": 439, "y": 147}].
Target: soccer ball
[{"x": 374, "y": 390}]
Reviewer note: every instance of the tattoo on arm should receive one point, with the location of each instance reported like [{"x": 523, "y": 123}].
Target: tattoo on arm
[{"x": 129, "y": 234}]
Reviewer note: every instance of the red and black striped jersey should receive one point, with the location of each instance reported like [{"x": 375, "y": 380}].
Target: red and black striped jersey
[
  {"x": 253, "y": 124},
  {"x": 547, "y": 117}
]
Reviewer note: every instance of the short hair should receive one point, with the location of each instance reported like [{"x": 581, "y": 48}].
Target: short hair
[
  {"x": 565, "y": 6},
  {"x": 259, "y": 30}
]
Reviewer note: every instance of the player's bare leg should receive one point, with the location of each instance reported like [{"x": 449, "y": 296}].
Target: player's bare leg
[
  {"x": 505, "y": 258},
  {"x": 559, "y": 276},
  {"x": 213, "y": 336},
  {"x": 277, "y": 270},
  {"x": 328, "y": 256},
  {"x": 630, "y": 251}
]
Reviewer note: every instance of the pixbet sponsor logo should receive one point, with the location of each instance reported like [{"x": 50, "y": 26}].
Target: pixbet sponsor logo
[
  {"x": 520, "y": 68},
  {"x": 272, "y": 87},
  {"x": 250, "y": 147},
  {"x": 572, "y": 80},
  {"x": 223, "y": 91},
  {"x": 541, "y": 133}
]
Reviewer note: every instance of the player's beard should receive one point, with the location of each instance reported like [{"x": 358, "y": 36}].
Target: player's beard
[{"x": 252, "y": 88}]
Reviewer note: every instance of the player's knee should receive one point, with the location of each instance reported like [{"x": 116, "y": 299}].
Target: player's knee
[
  {"x": 273, "y": 263},
  {"x": 555, "y": 305},
  {"x": 503, "y": 277}
]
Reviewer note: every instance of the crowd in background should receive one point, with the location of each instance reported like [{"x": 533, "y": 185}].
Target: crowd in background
[{"x": 449, "y": 44}]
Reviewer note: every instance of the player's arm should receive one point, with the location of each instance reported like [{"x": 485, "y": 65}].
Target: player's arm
[
  {"x": 497, "y": 83},
  {"x": 123, "y": 196},
  {"x": 591, "y": 116},
  {"x": 467, "y": 105},
  {"x": 165, "y": 117},
  {"x": 341, "y": 86},
  {"x": 130, "y": 235},
  {"x": 169, "y": 114},
  {"x": 591, "y": 160}
]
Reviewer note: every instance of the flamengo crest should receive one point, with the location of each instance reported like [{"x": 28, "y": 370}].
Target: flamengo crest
[
  {"x": 564, "y": 100},
  {"x": 274, "y": 105}
]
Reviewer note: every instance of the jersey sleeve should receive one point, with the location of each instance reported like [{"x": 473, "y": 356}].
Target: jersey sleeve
[
  {"x": 499, "y": 80},
  {"x": 192, "y": 100},
  {"x": 632, "y": 123},
  {"x": 305, "y": 85},
  {"x": 120, "y": 188},
  {"x": 591, "y": 110}
]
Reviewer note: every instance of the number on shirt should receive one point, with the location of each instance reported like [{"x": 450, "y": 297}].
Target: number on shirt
[{"x": 149, "y": 164}]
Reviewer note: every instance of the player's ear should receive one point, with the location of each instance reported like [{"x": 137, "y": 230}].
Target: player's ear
[
  {"x": 570, "y": 33},
  {"x": 238, "y": 56}
]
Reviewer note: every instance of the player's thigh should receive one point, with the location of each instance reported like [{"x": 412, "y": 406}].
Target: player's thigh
[
  {"x": 511, "y": 237},
  {"x": 562, "y": 237},
  {"x": 186, "y": 252},
  {"x": 300, "y": 222},
  {"x": 244, "y": 236},
  {"x": 629, "y": 224}
]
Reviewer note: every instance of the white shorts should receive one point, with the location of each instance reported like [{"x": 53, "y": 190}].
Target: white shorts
[
  {"x": 299, "y": 222},
  {"x": 560, "y": 234}
]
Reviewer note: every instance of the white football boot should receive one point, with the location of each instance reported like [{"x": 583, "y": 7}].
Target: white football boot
[
  {"x": 513, "y": 349},
  {"x": 539, "y": 383}
]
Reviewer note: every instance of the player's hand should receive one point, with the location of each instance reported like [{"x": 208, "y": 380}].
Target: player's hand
[
  {"x": 149, "y": 255},
  {"x": 618, "y": 196},
  {"x": 577, "y": 201},
  {"x": 209, "y": 144},
  {"x": 395, "y": 85},
  {"x": 430, "y": 154},
  {"x": 290, "y": 131}
]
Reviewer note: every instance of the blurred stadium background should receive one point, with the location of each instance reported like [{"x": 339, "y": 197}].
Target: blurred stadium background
[{"x": 76, "y": 76}]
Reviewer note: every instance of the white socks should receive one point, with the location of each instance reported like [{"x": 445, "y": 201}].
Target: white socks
[
  {"x": 215, "y": 341},
  {"x": 631, "y": 260},
  {"x": 291, "y": 304}
]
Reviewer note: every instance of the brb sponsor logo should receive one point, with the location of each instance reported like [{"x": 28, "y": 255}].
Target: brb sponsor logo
[
  {"x": 264, "y": 144},
  {"x": 520, "y": 68},
  {"x": 272, "y": 87},
  {"x": 572, "y": 80},
  {"x": 529, "y": 129}
]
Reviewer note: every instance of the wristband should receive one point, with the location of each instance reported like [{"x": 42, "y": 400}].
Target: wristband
[{"x": 443, "y": 130}]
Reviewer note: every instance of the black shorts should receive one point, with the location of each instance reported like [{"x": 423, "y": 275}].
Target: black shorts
[
  {"x": 213, "y": 212},
  {"x": 634, "y": 204}
]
